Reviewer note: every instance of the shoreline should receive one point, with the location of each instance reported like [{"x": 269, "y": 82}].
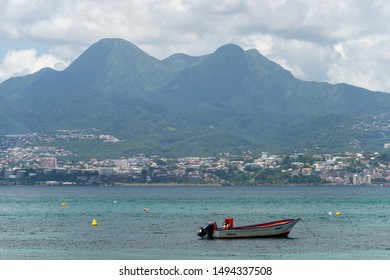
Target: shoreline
[
  {"x": 189, "y": 185},
  {"x": 164, "y": 185}
]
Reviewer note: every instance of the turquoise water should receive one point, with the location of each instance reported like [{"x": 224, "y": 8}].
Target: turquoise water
[{"x": 34, "y": 225}]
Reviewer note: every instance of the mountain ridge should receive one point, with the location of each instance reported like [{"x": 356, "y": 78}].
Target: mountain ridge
[{"x": 227, "y": 100}]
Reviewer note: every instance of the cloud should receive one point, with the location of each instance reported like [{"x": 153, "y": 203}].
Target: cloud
[
  {"x": 23, "y": 62},
  {"x": 335, "y": 41},
  {"x": 361, "y": 66}
]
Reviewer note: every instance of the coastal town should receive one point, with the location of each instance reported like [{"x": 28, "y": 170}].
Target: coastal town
[{"x": 23, "y": 163}]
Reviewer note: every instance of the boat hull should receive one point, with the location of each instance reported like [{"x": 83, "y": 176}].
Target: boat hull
[{"x": 280, "y": 228}]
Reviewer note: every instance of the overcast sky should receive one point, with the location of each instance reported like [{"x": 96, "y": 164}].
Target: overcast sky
[{"x": 330, "y": 40}]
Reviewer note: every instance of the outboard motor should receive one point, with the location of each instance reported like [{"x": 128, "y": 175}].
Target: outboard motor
[{"x": 207, "y": 230}]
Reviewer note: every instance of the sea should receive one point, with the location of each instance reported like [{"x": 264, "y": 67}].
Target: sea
[{"x": 160, "y": 222}]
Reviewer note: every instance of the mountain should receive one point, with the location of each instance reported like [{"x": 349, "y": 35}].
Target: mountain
[{"x": 228, "y": 100}]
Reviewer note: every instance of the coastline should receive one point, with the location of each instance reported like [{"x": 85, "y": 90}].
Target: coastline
[
  {"x": 68, "y": 184},
  {"x": 165, "y": 185}
]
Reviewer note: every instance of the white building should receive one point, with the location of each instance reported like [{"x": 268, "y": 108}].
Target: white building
[
  {"x": 358, "y": 179},
  {"x": 265, "y": 155},
  {"x": 106, "y": 171}
]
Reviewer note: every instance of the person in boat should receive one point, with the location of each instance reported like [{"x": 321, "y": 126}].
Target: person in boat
[{"x": 226, "y": 225}]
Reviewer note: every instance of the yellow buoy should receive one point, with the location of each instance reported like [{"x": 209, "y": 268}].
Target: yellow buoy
[
  {"x": 64, "y": 204},
  {"x": 338, "y": 213},
  {"x": 94, "y": 223}
]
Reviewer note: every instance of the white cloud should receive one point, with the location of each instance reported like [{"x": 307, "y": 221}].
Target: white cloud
[
  {"x": 361, "y": 66},
  {"x": 17, "y": 63},
  {"x": 336, "y": 41},
  {"x": 263, "y": 43}
]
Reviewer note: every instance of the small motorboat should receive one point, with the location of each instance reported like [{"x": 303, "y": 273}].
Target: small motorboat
[{"x": 279, "y": 228}]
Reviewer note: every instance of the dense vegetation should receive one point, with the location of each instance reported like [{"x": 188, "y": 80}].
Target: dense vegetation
[{"x": 230, "y": 100}]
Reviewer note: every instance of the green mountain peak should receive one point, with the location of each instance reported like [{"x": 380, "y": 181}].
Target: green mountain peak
[{"x": 228, "y": 100}]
